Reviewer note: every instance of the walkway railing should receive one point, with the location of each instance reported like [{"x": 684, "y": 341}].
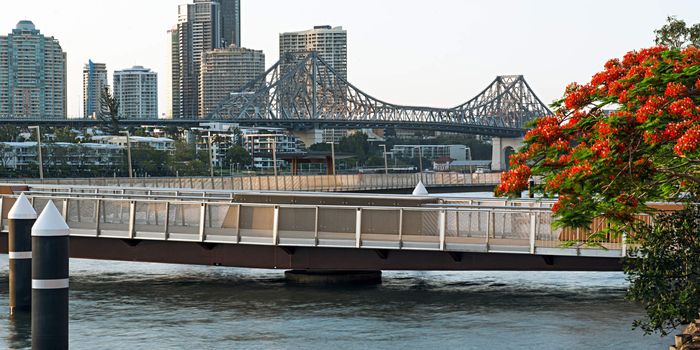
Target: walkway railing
[
  {"x": 318, "y": 183},
  {"x": 457, "y": 228}
]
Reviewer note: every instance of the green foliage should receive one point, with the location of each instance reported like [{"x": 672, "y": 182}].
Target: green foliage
[
  {"x": 665, "y": 278},
  {"x": 677, "y": 35},
  {"x": 109, "y": 111},
  {"x": 237, "y": 155}
]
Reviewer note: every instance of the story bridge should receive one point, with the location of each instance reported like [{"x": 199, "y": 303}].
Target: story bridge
[
  {"x": 308, "y": 93},
  {"x": 304, "y": 92}
]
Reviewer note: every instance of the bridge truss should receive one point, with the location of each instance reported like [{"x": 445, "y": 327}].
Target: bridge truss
[{"x": 303, "y": 91}]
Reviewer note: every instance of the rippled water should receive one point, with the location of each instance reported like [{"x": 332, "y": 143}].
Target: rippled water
[{"x": 119, "y": 305}]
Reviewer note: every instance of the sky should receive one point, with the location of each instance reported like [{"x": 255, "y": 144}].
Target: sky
[{"x": 437, "y": 53}]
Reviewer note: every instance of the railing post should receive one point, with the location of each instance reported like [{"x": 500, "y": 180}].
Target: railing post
[
  {"x": 316, "y": 228},
  {"x": 533, "y": 231},
  {"x": 238, "y": 224},
  {"x": 166, "y": 229},
  {"x": 358, "y": 227},
  {"x": 275, "y": 225},
  {"x": 401, "y": 228},
  {"x": 491, "y": 224},
  {"x": 442, "y": 223},
  {"x": 98, "y": 210},
  {"x": 132, "y": 219},
  {"x": 624, "y": 245},
  {"x": 202, "y": 221}
]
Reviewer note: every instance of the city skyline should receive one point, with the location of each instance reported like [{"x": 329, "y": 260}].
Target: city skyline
[{"x": 399, "y": 52}]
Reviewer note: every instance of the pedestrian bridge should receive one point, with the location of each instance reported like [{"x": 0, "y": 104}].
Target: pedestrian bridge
[{"x": 307, "y": 230}]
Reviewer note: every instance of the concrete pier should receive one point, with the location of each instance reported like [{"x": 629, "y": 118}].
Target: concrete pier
[{"x": 330, "y": 277}]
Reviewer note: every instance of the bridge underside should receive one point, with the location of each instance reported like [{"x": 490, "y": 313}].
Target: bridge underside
[{"x": 318, "y": 258}]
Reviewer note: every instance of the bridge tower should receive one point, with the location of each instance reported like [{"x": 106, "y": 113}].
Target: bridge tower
[{"x": 503, "y": 148}]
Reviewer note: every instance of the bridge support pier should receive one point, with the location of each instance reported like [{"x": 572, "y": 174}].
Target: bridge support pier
[
  {"x": 502, "y": 149},
  {"x": 333, "y": 277}
]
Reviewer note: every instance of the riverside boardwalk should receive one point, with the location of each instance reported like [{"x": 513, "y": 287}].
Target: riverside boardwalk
[
  {"x": 315, "y": 231},
  {"x": 317, "y": 183}
]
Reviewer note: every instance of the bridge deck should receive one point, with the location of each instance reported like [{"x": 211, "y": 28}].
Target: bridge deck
[{"x": 130, "y": 226}]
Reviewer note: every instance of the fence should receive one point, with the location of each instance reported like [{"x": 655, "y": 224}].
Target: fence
[{"x": 318, "y": 183}]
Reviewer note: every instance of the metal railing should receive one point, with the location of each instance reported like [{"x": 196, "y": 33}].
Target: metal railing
[
  {"x": 494, "y": 229},
  {"x": 318, "y": 183}
]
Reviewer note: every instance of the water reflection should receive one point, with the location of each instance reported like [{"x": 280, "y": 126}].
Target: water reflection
[
  {"x": 171, "y": 307},
  {"x": 19, "y": 331}
]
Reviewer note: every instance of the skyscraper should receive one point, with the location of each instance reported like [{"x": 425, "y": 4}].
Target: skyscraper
[
  {"x": 225, "y": 71},
  {"x": 94, "y": 82},
  {"x": 136, "y": 90},
  {"x": 32, "y": 74},
  {"x": 331, "y": 44},
  {"x": 230, "y": 22},
  {"x": 198, "y": 30}
]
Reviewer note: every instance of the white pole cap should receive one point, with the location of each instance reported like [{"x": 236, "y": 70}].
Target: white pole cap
[
  {"x": 420, "y": 189},
  {"x": 22, "y": 209},
  {"x": 50, "y": 223}
]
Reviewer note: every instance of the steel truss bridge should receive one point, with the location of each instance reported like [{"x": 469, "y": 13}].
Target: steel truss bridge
[
  {"x": 307, "y": 92},
  {"x": 304, "y": 92}
]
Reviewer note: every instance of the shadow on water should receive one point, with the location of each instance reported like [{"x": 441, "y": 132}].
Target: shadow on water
[{"x": 19, "y": 331}]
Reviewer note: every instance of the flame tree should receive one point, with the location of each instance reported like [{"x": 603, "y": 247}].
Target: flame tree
[{"x": 628, "y": 137}]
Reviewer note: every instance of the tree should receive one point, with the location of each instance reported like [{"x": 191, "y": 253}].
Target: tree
[
  {"x": 64, "y": 134},
  {"x": 237, "y": 155},
  {"x": 675, "y": 34},
  {"x": 109, "y": 111},
  {"x": 666, "y": 281},
  {"x": 628, "y": 137},
  {"x": 610, "y": 163}
]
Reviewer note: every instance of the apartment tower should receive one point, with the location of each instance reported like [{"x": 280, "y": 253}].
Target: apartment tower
[{"x": 32, "y": 74}]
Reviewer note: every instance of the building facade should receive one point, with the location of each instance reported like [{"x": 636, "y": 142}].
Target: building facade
[
  {"x": 17, "y": 155},
  {"x": 225, "y": 71},
  {"x": 331, "y": 44},
  {"x": 431, "y": 152},
  {"x": 156, "y": 143},
  {"x": 230, "y": 22},
  {"x": 32, "y": 74},
  {"x": 136, "y": 90},
  {"x": 198, "y": 30},
  {"x": 94, "y": 82}
]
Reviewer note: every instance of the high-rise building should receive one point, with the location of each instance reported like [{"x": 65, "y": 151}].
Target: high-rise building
[
  {"x": 136, "y": 90},
  {"x": 32, "y": 74},
  {"x": 198, "y": 30},
  {"x": 230, "y": 22},
  {"x": 225, "y": 71},
  {"x": 94, "y": 82},
  {"x": 331, "y": 44}
]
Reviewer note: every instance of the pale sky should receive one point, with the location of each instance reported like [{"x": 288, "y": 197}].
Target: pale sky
[{"x": 434, "y": 53}]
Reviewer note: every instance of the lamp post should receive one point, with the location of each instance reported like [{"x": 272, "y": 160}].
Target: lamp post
[
  {"x": 211, "y": 157},
  {"x": 274, "y": 151},
  {"x": 38, "y": 145},
  {"x": 386, "y": 167},
  {"x": 420, "y": 161},
  {"x": 128, "y": 152},
  {"x": 335, "y": 178}
]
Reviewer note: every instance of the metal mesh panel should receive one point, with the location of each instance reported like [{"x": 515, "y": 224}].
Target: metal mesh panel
[
  {"x": 380, "y": 221},
  {"x": 183, "y": 218},
  {"x": 420, "y": 223},
  {"x": 336, "y": 220},
  {"x": 81, "y": 213},
  {"x": 297, "y": 219}
]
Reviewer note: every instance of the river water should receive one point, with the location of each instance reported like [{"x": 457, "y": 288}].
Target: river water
[{"x": 122, "y": 305}]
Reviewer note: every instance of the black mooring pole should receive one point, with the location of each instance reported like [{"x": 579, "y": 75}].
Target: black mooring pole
[
  {"x": 50, "y": 280},
  {"x": 21, "y": 217}
]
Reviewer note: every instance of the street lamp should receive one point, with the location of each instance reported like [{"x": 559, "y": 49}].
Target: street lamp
[
  {"x": 386, "y": 167},
  {"x": 128, "y": 153},
  {"x": 274, "y": 151},
  {"x": 38, "y": 145},
  {"x": 211, "y": 157}
]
